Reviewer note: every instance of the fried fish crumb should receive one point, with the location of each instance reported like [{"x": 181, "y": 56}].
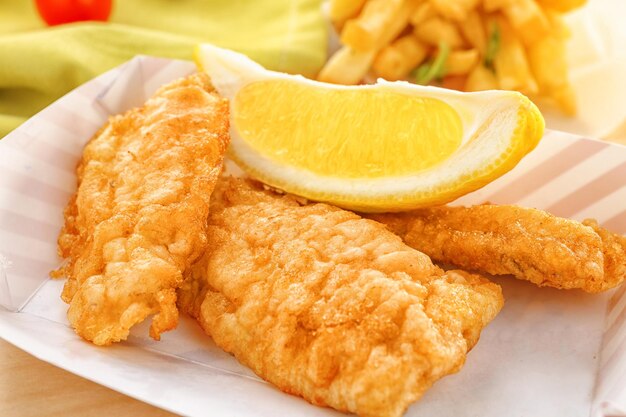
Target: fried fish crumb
[
  {"x": 527, "y": 243},
  {"x": 330, "y": 306},
  {"x": 138, "y": 218}
]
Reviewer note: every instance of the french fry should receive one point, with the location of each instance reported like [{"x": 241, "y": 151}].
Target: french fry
[
  {"x": 436, "y": 30},
  {"x": 395, "y": 61},
  {"x": 565, "y": 99},
  {"x": 528, "y": 20},
  {"x": 461, "y": 62},
  {"x": 454, "y": 10},
  {"x": 342, "y": 10},
  {"x": 346, "y": 66},
  {"x": 493, "y": 5},
  {"x": 557, "y": 25},
  {"x": 363, "y": 33},
  {"x": 457, "y": 43},
  {"x": 511, "y": 65},
  {"x": 422, "y": 12},
  {"x": 548, "y": 63},
  {"x": 481, "y": 79},
  {"x": 454, "y": 82},
  {"x": 398, "y": 24},
  {"x": 562, "y": 5},
  {"x": 473, "y": 31}
]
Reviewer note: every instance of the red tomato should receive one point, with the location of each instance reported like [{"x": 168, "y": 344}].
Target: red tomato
[{"x": 57, "y": 12}]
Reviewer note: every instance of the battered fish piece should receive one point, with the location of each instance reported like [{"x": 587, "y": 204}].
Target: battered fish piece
[
  {"x": 530, "y": 244},
  {"x": 138, "y": 219},
  {"x": 329, "y": 306}
]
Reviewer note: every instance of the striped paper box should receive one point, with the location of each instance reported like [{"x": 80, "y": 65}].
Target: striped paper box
[{"x": 549, "y": 352}]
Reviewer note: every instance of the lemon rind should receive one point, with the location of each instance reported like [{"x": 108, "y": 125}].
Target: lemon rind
[
  {"x": 526, "y": 135},
  {"x": 517, "y": 138}
]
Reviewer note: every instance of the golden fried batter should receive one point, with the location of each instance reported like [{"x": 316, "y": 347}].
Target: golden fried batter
[
  {"x": 530, "y": 244},
  {"x": 330, "y": 306},
  {"x": 138, "y": 219}
]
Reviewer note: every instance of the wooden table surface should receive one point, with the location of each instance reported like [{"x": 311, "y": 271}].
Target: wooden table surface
[{"x": 31, "y": 387}]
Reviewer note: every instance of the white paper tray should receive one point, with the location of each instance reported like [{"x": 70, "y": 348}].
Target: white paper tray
[{"x": 549, "y": 353}]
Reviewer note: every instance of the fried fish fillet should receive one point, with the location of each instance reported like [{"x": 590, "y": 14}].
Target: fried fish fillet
[
  {"x": 138, "y": 219},
  {"x": 530, "y": 244},
  {"x": 329, "y": 306}
]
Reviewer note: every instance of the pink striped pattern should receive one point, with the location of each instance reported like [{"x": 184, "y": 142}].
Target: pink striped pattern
[
  {"x": 78, "y": 122},
  {"x": 617, "y": 296},
  {"x": 29, "y": 266},
  {"x": 616, "y": 222},
  {"x": 593, "y": 191},
  {"x": 33, "y": 187},
  {"x": 551, "y": 168},
  {"x": 51, "y": 154},
  {"x": 72, "y": 120},
  {"x": 611, "y": 381},
  {"x": 16, "y": 223},
  {"x": 150, "y": 68}
]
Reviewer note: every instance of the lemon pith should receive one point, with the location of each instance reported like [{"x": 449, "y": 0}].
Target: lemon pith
[
  {"x": 339, "y": 144},
  {"x": 352, "y": 130}
]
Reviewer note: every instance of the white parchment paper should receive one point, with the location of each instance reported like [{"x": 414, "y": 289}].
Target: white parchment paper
[{"x": 544, "y": 355}]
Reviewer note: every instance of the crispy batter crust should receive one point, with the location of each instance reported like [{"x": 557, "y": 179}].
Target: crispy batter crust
[
  {"x": 530, "y": 244},
  {"x": 330, "y": 306},
  {"x": 138, "y": 219}
]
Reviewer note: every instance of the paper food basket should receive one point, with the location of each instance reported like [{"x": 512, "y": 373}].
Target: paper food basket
[{"x": 549, "y": 352}]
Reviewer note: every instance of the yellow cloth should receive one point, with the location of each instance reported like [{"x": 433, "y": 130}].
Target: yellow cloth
[{"x": 38, "y": 64}]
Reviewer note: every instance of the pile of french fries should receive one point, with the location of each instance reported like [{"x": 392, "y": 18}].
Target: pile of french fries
[{"x": 468, "y": 45}]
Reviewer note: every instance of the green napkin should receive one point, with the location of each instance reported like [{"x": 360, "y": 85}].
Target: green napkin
[{"x": 38, "y": 64}]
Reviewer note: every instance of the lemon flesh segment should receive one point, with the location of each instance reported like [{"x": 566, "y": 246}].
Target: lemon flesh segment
[
  {"x": 346, "y": 133},
  {"x": 391, "y": 146}
]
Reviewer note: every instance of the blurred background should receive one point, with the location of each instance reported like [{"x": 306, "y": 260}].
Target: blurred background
[{"x": 569, "y": 56}]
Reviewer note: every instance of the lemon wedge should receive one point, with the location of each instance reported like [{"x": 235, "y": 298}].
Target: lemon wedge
[{"x": 390, "y": 146}]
